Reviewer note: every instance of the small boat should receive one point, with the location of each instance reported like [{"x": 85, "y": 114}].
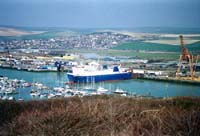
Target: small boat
[
  {"x": 59, "y": 89},
  {"x": 39, "y": 86},
  {"x": 34, "y": 93},
  {"x": 102, "y": 90},
  {"x": 15, "y": 80},
  {"x": 51, "y": 95},
  {"x": 67, "y": 87},
  {"x": 26, "y": 85},
  {"x": 43, "y": 95},
  {"x": 121, "y": 92},
  {"x": 58, "y": 94},
  {"x": 11, "y": 90},
  {"x": 4, "y": 97},
  {"x": 11, "y": 98}
]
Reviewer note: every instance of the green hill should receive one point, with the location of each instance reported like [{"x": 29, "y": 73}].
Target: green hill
[{"x": 137, "y": 45}]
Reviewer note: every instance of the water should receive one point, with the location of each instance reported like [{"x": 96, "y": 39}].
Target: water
[{"x": 140, "y": 87}]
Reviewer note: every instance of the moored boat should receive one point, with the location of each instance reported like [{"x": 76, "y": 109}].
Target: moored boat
[
  {"x": 102, "y": 90},
  {"x": 120, "y": 92}
]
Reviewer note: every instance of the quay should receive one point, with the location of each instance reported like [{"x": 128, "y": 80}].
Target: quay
[
  {"x": 173, "y": 80},
  {"x": 35, "y": 69}
]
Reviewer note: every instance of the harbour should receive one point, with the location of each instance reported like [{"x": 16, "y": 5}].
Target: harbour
[
  {"x": 141, "y": 87},
  {"x": 92, "y": 67}
]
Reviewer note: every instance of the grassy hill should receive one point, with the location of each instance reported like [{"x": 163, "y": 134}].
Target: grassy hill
[
  {"x": 101, "y": 116},
  {"x": 137, "y": 45}
]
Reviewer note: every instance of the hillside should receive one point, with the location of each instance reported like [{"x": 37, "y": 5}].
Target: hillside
[
  {"x": 26, "y": 33},
  {"x": 101, "y": 116}
]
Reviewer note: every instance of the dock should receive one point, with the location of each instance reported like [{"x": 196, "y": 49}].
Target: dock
[{"x": 173, "y": 80}]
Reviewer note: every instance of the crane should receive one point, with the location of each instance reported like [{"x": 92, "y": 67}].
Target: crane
[
  {"x": 185, "y": 56},
  {"x": 197, "y": 59}
]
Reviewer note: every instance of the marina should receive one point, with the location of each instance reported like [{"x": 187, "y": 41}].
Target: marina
[{"x": 53, "y": 84}]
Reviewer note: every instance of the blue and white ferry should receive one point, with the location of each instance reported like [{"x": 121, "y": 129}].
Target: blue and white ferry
[{"x": 94, "y": 72}]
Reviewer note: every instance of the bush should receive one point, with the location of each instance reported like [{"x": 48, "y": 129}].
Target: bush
[{"x": 102, "y": 115}]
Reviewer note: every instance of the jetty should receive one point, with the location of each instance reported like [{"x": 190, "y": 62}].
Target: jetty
[{"x": 173, "y": 80}]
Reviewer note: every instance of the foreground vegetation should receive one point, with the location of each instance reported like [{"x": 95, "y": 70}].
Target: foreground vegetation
[{"x": 101, "y": 115}]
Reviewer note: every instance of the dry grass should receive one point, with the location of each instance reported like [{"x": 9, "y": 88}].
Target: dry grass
[
  {"x": 102, "y": 116},
  {"x": 16, "y": 32}
]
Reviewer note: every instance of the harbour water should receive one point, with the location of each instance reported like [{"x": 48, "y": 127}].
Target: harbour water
[{"x": 140, "y": 87}]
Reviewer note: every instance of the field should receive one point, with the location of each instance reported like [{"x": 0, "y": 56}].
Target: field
[
  {"x": 44, "y": 35},
  {"x": 16, "y": 32},
  {"x": 156, "y": 47},
  {"x": 101, "y": 116},
  {"x": 144, "y": 55}
]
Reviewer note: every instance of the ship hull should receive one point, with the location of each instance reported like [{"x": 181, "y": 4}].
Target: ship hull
[{"x": 98, "y": 78}]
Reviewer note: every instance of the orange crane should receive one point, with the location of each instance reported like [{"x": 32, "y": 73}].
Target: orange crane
[
  {"x": 197, "y": 59},
  {"x": 185, "y": 56}
]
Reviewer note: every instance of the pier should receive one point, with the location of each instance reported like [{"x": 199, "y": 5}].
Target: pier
[{"x": 172, "y": 80}]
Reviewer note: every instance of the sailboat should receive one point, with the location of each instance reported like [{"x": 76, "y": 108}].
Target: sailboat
[{"x": 19, "y": 95}]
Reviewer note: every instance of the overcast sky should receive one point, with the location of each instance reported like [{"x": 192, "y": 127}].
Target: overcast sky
[{"x": 100, "y": 13}]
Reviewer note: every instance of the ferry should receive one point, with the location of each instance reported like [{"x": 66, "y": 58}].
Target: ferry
[{"x": 94, "y": 72}]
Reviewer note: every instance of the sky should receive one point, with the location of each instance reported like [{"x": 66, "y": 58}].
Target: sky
[{"x": 100, "y": 13}]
